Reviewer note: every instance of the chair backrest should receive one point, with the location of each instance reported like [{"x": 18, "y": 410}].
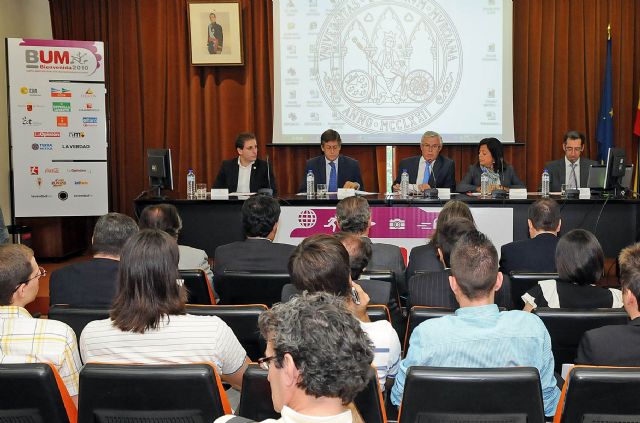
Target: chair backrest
[
  {"x": 169, "y": 393},
  {"x": 600, "y": 394},
  {"x": 255, "y": 397},
  {"x": 380, "y": 275},
  {"x": 243, "y": 321},
  {"x": 566, "y": 327},
  {"x": 76, "y": 317},
  {"x": 510, "y": 394},
  {"x": 247, "y": 287},
  {"x": 198, "y": 286},
  {"x": 378, "y": 312},
  {"x": 35, "y": 393},
  {"x": 521, "y": 282},
  {"x": 369, "y": 401},
  {"x": 419, "y": 314}
]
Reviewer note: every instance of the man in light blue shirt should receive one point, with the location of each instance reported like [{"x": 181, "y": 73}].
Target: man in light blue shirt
[{"x": 479, "y": 335}]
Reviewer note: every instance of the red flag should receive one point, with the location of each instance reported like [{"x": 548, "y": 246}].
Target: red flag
[{"x": 636, "y": 128}]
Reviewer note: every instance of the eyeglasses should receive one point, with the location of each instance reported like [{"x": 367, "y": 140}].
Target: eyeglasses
[
  {"x": 264, "y": 362},
  {"x": 430, "y": 147},
  {"x": 574, "y": 149},
  {"x": 41, "y": 272}
]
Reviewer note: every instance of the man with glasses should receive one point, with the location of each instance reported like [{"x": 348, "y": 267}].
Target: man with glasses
[
  {"x": 430, "y": 169},
  {"x": 318, "y": 359},
  {"x": 333, "y": 169},
  {"x": 24, "y": 339},
  {"x": 571, "y": 170}
]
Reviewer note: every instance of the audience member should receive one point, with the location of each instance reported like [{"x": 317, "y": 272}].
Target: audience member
[
  {"x": 148, "y": 324},
  {"x": 479, "y": 335},
  {"x": 425, "y": 257},
  {"x": 24, "y": 339},
  {"x": 580, "y": 264},
  {"x": 257, "y": 252},
  {"x": 166, "y": 218},
  {"x": 318, "y": 359},
  {"x": 618, "y": 345},
  {"x": 93, "y": 282},
  {"x": 321, "y": 263},
  {"x": 537, "y": 253}
]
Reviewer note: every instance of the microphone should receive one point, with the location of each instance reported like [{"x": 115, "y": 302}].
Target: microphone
[
  {"x": 500, "y": 194},
  {"x": 431, "y": 193},
  {"x": 267, "y": 191}
]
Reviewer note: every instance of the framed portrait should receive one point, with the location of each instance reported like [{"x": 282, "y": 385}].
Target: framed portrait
[{"x": 215, "y": 33}]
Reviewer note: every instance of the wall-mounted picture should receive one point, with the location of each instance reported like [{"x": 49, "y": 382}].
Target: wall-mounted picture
[{"x": 215, "y": 33}]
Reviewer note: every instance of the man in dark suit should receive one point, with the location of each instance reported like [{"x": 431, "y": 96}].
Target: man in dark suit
[
  {"x": 618, "y": 345},
  {"x": 247, "y": 173},
  {"x": 536, "y": 254},
  {"x": 571, "y": 169},
  {"x": 429, "y": 170},
  {"x": 257, "y": 252},
  {"x": 94, "y": 282},
  {"x": 331, "y": 168}
]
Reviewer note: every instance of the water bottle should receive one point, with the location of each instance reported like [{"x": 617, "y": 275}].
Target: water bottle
[
  {"x": 404, "y": 183},
  {"x": 311, "y": 183},
  {"x": 484, "y": 184},
  {"x": 191, "y": 185},
  {"x": 545, "y": 183}
]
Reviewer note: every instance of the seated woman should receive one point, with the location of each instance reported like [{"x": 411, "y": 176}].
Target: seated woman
[
  {"x": 148, "y": 323},
  {"x": 490, "y": 160},
  {"x": 425, "y": 257},
  {"x": 580, "y": 263}
]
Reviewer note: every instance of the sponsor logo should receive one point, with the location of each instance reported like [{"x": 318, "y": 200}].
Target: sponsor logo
[
  {"x": 39, "y": 182},
  {"x": 52, "y": 170},
  {"x": 60, "y": 92},
  {"x": 33, "y": 92},
  {"x": 89, "y": 121},
  {"x": 63, "y": 195},
  {"x": 75, "y": 170},
  {"x": 29, "y": 107},
  {"x": 88, "y": 93},
  {"x": 61, "y": 106},
  {"x": 59, "y": 182},
  {"x": 81, "y": 182},
  {"x": 88, "y": 107},
  {"x": 42, "y": 146},
  {"x": 76, "y": 146},
  {"x": 46, "y": 134},
  {"x": 40, "y": 196},
  {"x": 27, "y": 121},
  {"x": 82, "y": 195},
  {"x": 34, "y": 170},
  {"x": 62, "y": 121},
  {"x": 79, "y": 134}
]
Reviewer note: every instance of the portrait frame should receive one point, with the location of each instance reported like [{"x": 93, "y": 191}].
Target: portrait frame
[{"x": 215, "y": 32}]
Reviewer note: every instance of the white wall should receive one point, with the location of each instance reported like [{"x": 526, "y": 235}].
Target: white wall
[{"x": 19, "y": 19}]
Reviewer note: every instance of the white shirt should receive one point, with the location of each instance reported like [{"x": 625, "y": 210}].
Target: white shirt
[
  {"x": 291, "y": 416},
  {"x": 386, "y": 348},
  {"x": 328, "y": 169},
  {"x": 568, "y": 179},
  {"x": 244, "y": 177}
]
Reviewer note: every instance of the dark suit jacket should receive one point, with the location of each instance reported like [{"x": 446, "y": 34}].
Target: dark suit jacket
[
  {"x": 471, "y": 180},
  {"x": 228, "y": 176},
  {"x": 530, "y": 255},
  {"x": 253, "y": 254},
  {"x": 423, "y": 257},
  {"x": 614, "y": 345},
  {"x": 444, "y": 170},
  {"x": 557, "y": 173},
  {"x": 86, "y": 283},
  {"x": 348, "y": 170},
  {"x": 388, "y": 257}
]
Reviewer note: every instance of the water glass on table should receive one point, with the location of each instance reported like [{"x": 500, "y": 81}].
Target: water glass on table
[
  {"x": 321, "y": 189},
  {"x": 201, "y": 191}
]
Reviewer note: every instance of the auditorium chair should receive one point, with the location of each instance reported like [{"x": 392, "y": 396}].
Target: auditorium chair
[
  {"x": 243, "y": 321},
  {"x": 566, "y": 327},
  {"x": 34, "y": 392},
  {"x": 521, "y": 282},
  {"x": 386, "y": 276},
  {"x": 376, "y": 293},
  {"x": 419, "y": 314},
  {"x": 247, "y": 287},
  {"x": 198, "y": 286},
  {"x": 600, "y": 394},
  {"x": 76, "y": 317},
  {"x": 511, "y": 394},
  {"x": 369, "y": 401},
  {"x": 140, "y": 393}
]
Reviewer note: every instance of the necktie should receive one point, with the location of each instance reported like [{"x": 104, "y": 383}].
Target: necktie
[
  {"x": 427, "y": 173},
  {"x": 333, "y": 178},
  {"x": 573, "y": 181}
]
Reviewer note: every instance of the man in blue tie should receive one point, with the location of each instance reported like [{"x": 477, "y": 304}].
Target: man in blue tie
[{"x": 333, "y": 169}]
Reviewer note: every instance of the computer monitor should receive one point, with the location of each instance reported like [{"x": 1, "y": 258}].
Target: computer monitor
[
  {"x": 597, "y": 174},
  {"x": 160, "y": 170},
  {"x": 615, "y": 169}
]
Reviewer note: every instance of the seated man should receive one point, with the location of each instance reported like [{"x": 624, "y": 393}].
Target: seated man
[
  {"x": 618, "y": 345},
  {"x": 258, "y": 252},
  {"x": 247, "y": 173},
  {"x": 24, "y": 339},
  {"x": 536, "y": 254},
  {"x": 570, "y": 170},
  {"x": 94, "y": 282},
  {"x": 331, "y": 168},
  {"x": 318, "y": 359},
  {"x": 479, "y": 335},
  {"x": 321, "y": 263},
  {"x": 166, "y": 218}
]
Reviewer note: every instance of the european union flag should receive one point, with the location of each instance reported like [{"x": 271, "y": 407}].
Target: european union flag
[{"x": 604, "y": 133}]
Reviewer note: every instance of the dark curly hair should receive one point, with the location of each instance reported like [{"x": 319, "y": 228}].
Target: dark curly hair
[{"x": 260, "y": 213}]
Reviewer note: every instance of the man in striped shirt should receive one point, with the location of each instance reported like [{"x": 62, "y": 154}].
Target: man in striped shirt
[
  {"x": 479, "y": 335},
  {"x": 24, "y": 339}
]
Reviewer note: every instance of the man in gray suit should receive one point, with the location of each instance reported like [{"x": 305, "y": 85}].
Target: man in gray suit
[{"x": 571, "y": 169}]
